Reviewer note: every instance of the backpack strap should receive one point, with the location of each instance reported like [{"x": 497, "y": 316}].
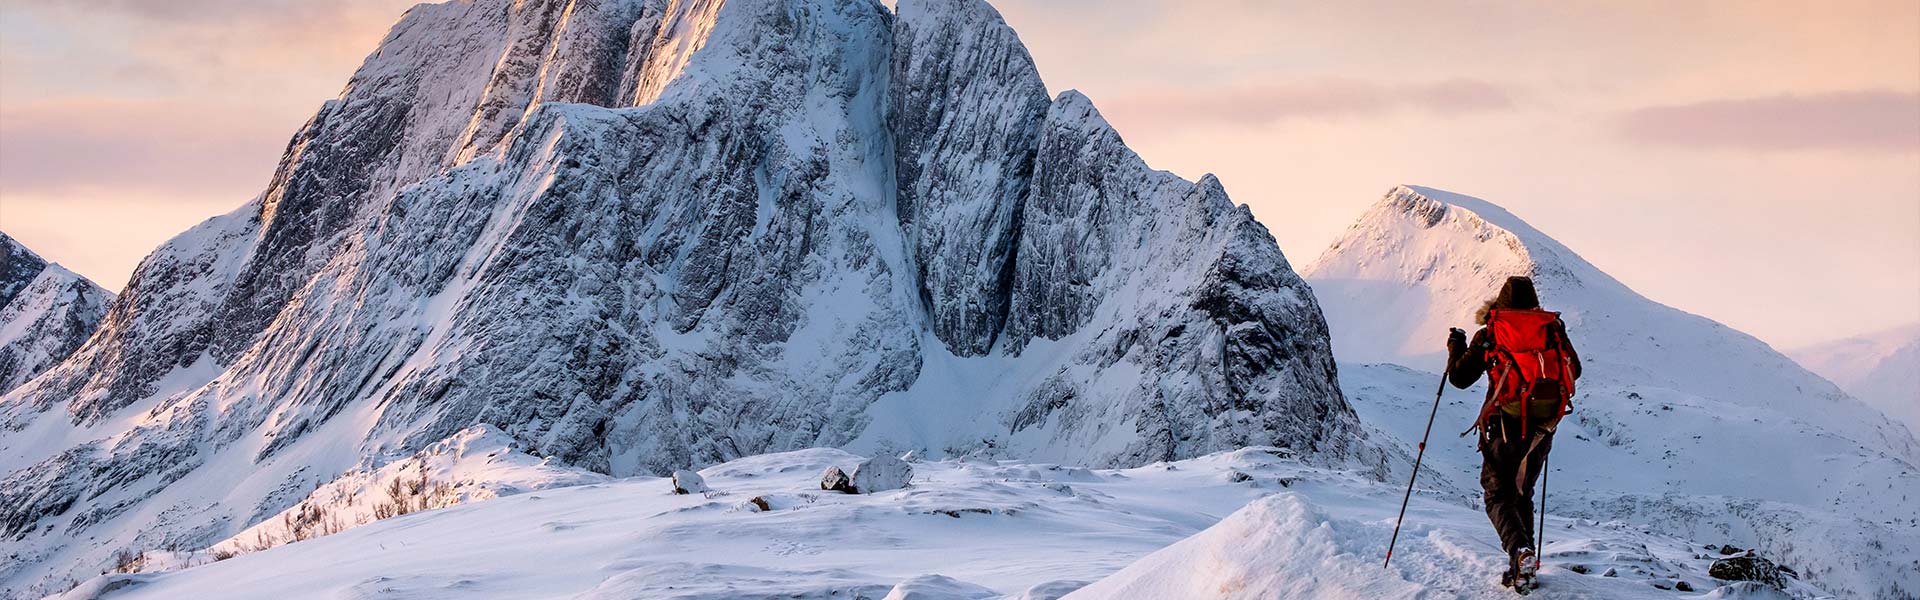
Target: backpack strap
[{"x": 1504, "y": 362}]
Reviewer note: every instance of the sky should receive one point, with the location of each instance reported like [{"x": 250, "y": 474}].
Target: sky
[{"x": 1756, "y": 163}]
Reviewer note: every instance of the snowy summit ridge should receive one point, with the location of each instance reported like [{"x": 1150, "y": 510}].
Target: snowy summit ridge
[{"x": 642, "y": 235}]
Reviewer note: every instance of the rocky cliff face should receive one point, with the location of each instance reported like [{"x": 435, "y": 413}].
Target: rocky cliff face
[
  {"x": 46, "y": 312},
  {"x": 645, "y": 235}
]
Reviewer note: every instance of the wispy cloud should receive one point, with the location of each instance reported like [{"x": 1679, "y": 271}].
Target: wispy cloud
[
  {"x": 1861, "y": 120},
  {"x": 1267, "y": 103}
]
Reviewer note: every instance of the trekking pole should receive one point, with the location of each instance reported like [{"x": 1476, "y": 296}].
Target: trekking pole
[
  {"x": 1540, "y": 533},
  {"x": 1416, "y": 470}
]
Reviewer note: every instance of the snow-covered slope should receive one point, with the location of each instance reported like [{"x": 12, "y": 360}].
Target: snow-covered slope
[
  {"x": 46, "y": 311},
  {"x": 1681, "y": 423},
  {"x": 1881, "y": 369},
  {"x": 964, "y": 529},
  {"x": 640, "y": 235}
]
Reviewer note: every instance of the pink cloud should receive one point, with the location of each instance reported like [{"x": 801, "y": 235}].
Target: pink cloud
[
  {"x": 1860, "y": 120},
  {"x": 77, "y": 145},
  {"x": 1266, "y": 103}
]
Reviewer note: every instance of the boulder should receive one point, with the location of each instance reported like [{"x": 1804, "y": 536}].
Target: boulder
[
  {"x": 881, "y": 473},
  {"x": 688, "y": 482},
  {"x": 835, "y": 480},
  {"x": 1748, "y": 568}
]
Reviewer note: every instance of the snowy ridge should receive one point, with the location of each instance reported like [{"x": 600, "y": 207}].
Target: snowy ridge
[
  {"x": 771, "y": 251},
  {"x": 1680, "y": 424},
  {"x": 477, "y": 464},
  {"x": 46, "y": 312},
  {"x": 1881, "y": 369}
]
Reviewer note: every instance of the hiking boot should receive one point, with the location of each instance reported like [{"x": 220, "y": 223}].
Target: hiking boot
[{"x": 1525, "y": 564}]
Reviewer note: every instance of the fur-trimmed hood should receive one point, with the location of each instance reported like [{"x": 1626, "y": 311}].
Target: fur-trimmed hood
[{"x": 1517, "y": 292}]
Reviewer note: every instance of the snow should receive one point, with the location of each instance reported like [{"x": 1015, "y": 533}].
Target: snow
[
  {"x": 1681, "y": 424},
  {"x": 536, "y": 245},
  {"x": 479, "y": 463},
  {"x": 966, "y": 529},
  {"x": 688, "y": 482},
  {"x": 46, "y": 313},
  {"x": 1881, "y": 369}
]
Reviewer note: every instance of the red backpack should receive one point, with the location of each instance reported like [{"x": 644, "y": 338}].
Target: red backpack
[{"x": 1530, "y": 370}]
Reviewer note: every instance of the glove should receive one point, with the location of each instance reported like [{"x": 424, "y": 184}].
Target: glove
[{"x": 1456, "y": 339}]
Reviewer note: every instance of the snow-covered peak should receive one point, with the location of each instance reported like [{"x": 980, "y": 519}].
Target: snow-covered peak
[
  {"x": 46, "y": 311},
  {"x": 1673, "y": 411},
  {"x": 1881, "y": 368},
  {"x": 1423, "y": 260}
]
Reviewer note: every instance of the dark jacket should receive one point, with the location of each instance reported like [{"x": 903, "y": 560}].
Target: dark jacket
[{"x": 1464, "y": 367}]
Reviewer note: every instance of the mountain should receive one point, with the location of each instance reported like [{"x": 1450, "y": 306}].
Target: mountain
[
  {"x": 642, "y": 235},
  {"x": 46, "y": 311},
  {"x": 1680, "y": 425},
  {"x": 1882, "y": 369}
]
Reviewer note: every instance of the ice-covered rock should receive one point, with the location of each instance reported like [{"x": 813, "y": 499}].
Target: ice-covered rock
[
  {"x": 881, "y": 473},
  {"x": 688, "y": 482}
]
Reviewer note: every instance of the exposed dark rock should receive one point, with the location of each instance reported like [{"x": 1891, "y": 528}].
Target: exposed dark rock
[
  {"x": 1747, "y": 568},
  {"x": 835, "y": 480}
]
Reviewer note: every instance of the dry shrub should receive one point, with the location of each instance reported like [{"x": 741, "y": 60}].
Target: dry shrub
[
  {"x": 407, "y": 495},
  {"x": 128, "y": 560}
]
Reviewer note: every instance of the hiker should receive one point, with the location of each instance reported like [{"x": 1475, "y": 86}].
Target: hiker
[{"x": 1531, "y": 366}]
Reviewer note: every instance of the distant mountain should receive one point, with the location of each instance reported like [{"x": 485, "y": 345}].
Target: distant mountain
[
  {"x": 640, "y": 235},
  {"x": 1882, "y": 369},
  {"x": 1680, "y": 424},
  {"x": 46, "y": 312}
]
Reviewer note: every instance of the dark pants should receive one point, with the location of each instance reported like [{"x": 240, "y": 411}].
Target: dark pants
[{"x": 1510, "y": 463}]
